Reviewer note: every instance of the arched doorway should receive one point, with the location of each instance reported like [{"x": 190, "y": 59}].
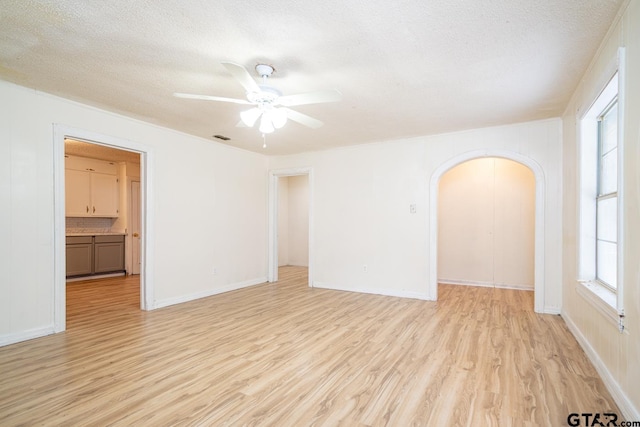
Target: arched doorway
[
  {"x": 539, "y": 283},
  {"x": 486, "y": 224}
]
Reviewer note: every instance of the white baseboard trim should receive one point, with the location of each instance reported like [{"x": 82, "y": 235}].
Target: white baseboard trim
[
  {"x": 519, "y": 287},
  {"x": 385, "y": 292},
  {"x": 551, "y": 310},
  {"x": 227, "y": 288},
  {"x": 629, "y": 411},
  {"x": 26, "y": 335}
]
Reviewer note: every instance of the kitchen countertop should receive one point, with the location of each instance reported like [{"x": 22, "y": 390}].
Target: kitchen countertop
[{"x": 89, "y": 233}]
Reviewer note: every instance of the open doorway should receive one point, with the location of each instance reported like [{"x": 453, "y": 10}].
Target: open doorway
[
  {"x": 102, "y": 211},
  {"x": 486, "y": 225},
  {"x": 290, "y": 221},
  {"x": 115, "y": 220},
  {"x": 293, "y": 221}
]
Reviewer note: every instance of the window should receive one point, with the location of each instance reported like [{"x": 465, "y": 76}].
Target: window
[
  {"x": 600, "y": 225},
  {"x": 607, "y": 197}
]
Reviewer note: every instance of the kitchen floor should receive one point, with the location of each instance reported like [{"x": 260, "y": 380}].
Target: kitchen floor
[{"x": 98, "y": 297}]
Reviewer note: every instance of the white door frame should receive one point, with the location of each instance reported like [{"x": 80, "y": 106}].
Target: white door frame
[
  {"x": 274, "y": 175},
  {"x": 60, "y": 132},
  {"x": 538, "y": 173},
  {"x": 131, "y": 261}
]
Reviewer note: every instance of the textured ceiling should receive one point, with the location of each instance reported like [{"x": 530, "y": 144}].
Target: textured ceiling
[
  {"x": 95, "y": 151},
  {"x": 405, "y": 68}
]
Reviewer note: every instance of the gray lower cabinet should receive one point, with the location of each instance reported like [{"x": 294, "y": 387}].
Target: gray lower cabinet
[
  {"x": 79, "y": 255},
  {"x": 88, "y": 255},
  {"x": 108, "y": 254}
]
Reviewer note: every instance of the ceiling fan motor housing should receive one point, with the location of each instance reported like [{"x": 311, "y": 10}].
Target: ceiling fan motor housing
[{"x": 267, "y": 95}]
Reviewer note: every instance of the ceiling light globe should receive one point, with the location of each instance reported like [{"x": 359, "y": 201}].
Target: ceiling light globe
[
  {"x": 266, "y": 125},
  {"x": 249, "y": 117},
  {"x": 278, "y": 117}
]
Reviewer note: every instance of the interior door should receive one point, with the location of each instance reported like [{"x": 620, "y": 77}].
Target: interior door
[{"x": 136, "y": 237}]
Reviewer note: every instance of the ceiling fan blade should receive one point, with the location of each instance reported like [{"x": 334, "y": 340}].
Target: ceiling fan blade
[
  {"x": 242, "y": 76},
  {"x": 310, "y": 98},
  {"x": 303, "y": 119},
  {"x": 211, "y": 98}
]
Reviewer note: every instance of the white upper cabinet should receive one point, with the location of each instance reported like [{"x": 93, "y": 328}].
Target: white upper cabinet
[
  {"x": 104, "y": 194},
  {"x": 77, "y": 186},
  {"x": 91, "y": 188}
]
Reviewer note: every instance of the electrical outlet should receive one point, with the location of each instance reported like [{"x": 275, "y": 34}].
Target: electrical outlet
[
  {"x": 214, "y": 271},
  {"x": 364, "y": 268},
  {"x": 412, "y": 208}
]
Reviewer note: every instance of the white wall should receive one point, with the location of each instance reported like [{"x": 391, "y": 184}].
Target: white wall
[
  {"x": 614, "y": 354},
  {"x": 361, "y": 205},
  {"x": 486, "y": 219},
  {"x": 283, "y": 221},
  {"x": 209, "y": 208},
  {"x": 299, "y": 220},
  {"x": 293, "y": 220}
]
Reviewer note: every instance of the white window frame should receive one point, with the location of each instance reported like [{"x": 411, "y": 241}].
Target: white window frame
[
  {"x": 605, "y": 299},
  {"x": 600, "y": 196}
]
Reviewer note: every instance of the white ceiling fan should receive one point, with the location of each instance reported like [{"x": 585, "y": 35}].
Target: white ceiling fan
[{"x": 268, "y": 102}]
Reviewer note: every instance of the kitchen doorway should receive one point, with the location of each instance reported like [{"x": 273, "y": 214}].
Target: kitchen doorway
[
  {"x": 98, "y": 141},
  {"x": 290, "y": 220},
  {"x": 103, "y": 242}
]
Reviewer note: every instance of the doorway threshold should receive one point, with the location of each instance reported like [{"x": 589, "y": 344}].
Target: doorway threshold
[{"x": 97, "y": 276}]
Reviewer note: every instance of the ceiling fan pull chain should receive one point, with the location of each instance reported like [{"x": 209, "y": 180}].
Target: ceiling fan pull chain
[{"x": 264, "y": 140}]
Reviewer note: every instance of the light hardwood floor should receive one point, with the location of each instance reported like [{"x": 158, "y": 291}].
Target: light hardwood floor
[{"x": 284, "y": 354}]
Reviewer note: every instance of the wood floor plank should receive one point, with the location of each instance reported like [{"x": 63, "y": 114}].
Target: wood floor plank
[{"x": 284, "y": 354}]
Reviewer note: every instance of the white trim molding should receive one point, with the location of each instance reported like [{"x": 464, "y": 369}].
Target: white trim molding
[
  {"x": 29, "y": 334},
  {"x": 602, "y": 299},
  {"x": 515, "y": 286},
  {"x": 385, "y": 292},
  {"x": 192, "y": 297},
  {"x": 539, "y": 253}
]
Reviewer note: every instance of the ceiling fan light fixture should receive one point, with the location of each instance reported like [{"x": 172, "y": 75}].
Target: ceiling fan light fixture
[
  {"x": 278, "y": 117},
  {"x": 269, "y": 104},
  {"x": 266, "y": 125},
  {"x": 249, "y": 117}
]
